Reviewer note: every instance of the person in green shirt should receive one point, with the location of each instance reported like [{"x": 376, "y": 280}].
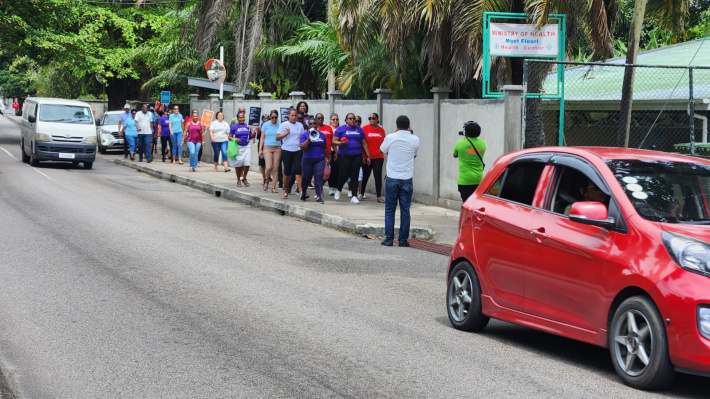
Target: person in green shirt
[{"x": 470, "y": 151}]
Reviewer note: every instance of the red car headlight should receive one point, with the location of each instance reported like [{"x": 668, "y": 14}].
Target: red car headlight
[{"x": 690, "y": 254}]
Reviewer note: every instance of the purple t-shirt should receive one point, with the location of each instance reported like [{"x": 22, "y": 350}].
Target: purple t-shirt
[
  {"x": 315, "y": 149},
  {"x": 164, "y": 123},
  {"x": 241, "y": 132},
  {"x": 354, "y": 134}
]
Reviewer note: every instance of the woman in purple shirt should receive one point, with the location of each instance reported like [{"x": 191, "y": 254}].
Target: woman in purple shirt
[
  {"x": 164, "y": 132},
  {"x": 351, "y": 142},
  {"x": 241, "y": 132},
  {"x": 315, "y": 154}
]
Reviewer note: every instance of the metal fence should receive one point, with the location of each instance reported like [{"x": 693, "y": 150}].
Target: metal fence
[{"x": 580, "y": 104}]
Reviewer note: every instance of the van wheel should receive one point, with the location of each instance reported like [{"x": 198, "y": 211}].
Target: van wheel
[
  {"x": 88, "y": 165},
  {"x": 639, "y": 346},
  {"x": 463, "y": 299},
  {"x": 25, "y": 158},
  {"x": 34, "y": 161}
]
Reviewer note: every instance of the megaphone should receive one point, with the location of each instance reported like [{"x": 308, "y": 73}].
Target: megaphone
[{"x": 313, "y": 134}]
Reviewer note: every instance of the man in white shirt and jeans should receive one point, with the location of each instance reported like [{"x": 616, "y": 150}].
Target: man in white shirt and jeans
[
  {"x": 144, "y": 124},
  {"x": 401, "y": 148}
]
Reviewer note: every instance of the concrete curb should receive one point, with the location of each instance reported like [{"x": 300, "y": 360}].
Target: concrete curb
[
  {"x": 325, "y": 219},
  {"x": 13, "y": 120}
]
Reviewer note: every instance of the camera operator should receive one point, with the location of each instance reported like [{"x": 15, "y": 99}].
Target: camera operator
[{"x": 470, "y": 150}]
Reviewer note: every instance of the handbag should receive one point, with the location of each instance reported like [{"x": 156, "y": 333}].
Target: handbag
[
  {"x": 326, "y": 171},
  {"x": 233, "y": 149}
]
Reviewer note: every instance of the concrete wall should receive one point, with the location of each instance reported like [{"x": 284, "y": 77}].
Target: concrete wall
[
  {"x": 99, "y": 107},
  {"x": 453, "y": 113}
]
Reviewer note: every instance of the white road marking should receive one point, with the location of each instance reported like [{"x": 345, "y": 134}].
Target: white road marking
[
  {"x": 8, "y": 152},
  {"x": 41, "y": 173}
]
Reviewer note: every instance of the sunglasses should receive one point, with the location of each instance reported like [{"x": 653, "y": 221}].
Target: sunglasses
[
  {"x": 320, "y": 117},
  {"x": 372, "y": 118},
  {"x": 349, "y": 119},
  {"x": 274, "y": 117},
  {"x": 335, "y": 119}
]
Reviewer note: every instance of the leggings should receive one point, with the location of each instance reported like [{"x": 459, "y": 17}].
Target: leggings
[
  {"x": 349, "y": 168},
  {"x": 376, "y": 167},
  {"x": 176, "y": 139},
  {"x": 272, "y": 158},
  {"x": 165, "y": 142},
  {"x": 333, "y": 179},
  {"x": 220, "y": 147},
  {"x": 312, "y": 168}
]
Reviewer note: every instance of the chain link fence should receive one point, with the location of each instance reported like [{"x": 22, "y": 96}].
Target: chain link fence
[{"x": 669, "y": 111}]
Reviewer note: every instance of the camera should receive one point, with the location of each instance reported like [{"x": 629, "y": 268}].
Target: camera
[{"x": 469, "y": 123}]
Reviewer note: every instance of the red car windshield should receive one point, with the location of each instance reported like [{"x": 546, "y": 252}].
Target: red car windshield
[{"x": 663, "y": 191}]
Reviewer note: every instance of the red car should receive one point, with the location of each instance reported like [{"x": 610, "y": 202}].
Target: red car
[{"x": 609, "y": 246}]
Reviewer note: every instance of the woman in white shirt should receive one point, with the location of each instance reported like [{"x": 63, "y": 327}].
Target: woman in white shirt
[
  {"x": 219, "y": 133},
  {"x": 291, "y": 154}
]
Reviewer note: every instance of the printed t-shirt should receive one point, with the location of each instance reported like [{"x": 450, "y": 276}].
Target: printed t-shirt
[
  {"x": 290, "y": 142},
  {"x": 401, "y": 148},
  {"x": 315, "y": 149},
  {"x": 470, "y": 166},
  {"x": 328, "y": 132},
  {"x": 354, "y": 135},
  {"x": 270, "y": 132},
  {"x": 193, "y": 132},
  {"x": 176, "y": 122},
  {"x": 164, "y": 123},
  {"x": 374, "y": 136},
  {"x": 219, "y": 131},
  {"x": 241, "y": 132}
]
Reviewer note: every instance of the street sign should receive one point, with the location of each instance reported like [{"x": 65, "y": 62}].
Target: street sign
[
  {"x": 216, "y": 72},
  {"x": 165, "y": 97},
  {"x": 207, "y": 116},
  {"x": 254, "y": 116}
]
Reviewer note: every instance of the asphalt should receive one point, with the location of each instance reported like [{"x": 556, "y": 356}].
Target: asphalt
[{"x": 434, "y": 224}]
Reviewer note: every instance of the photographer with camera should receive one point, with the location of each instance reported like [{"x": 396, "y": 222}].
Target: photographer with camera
[{"x": 470, "y": 151}]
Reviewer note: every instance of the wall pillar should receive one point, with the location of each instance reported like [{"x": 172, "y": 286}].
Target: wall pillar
[
  {"x": 512, "y": 123},
  {"x": 333, "y": 97},
  {"x": 214, "y": 102},
  {"x": 237, "y": 98},
  {"x": 193, "y": 102},
  {"x": 263, "y": 97},
  {"x": 382, "y": 95},
  {"x": 440, "y": 93},
  {"x": 296, "y": 96}
]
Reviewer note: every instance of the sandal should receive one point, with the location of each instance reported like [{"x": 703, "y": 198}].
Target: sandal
[
  {"x": 246, "y": 183},
  {"x": 227, "y": 170},
  {"x": 380, "y": 200},
  {"x": 266, "y": 186},
  {"x": 180, "y": 162},
  {"x": 274, "y": 190},
  {"x": 216, "y": 170},
  {"x": 239, "y": 183},
  {"x": 285, "y": 196}
]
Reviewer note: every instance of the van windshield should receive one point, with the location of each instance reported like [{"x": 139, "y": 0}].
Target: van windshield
[
  {"x": 663, "y": 191},
  {"x": 65, "y": 114}
]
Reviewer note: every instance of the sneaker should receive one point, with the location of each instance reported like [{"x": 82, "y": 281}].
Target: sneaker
[
  {"x": 150, "y": 160},
  {"x": 387, "y": 243},
  {"x": 281, "y": 188},
  {"x": 337, "y": 195},
  {"x": 360, "y": 196},
  {"x": 331, "y": 191},
  {"x": 403, "y": 243},
  {"x": 125, "y": 156},
  {"x": 350, "y": 194},
  {"x": 320, "y": 200},
  {"x": 140, "y": 160},
  {"x": 303, "y": 198},
  {"x": 354, "y": 200}
]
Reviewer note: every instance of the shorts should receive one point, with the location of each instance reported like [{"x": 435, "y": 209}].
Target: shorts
[
  {"x": 292, "y": 162},
  {"x": 243, "y": 157}
]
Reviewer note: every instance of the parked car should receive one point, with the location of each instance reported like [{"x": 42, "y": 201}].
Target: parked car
[
  {"x": 608, "y": 246},
  {"x": 54, "y": 129},
  {"x": 107, "y": 132}
]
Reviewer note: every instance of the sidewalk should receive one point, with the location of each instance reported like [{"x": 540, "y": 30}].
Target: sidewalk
[{"x": 437, "y": 225}]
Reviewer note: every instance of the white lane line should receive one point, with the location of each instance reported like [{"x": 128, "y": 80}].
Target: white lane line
[
  {"x": 41, "y": 173},
  {"x": 8, "y": 152}
]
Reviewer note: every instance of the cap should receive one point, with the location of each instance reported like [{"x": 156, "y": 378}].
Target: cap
[{"x": 126, "y": 106}]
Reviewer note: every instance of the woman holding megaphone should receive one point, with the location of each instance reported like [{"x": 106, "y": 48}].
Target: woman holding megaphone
[{"x": 315, "y": 152}]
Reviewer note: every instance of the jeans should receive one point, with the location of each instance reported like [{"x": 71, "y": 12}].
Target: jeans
[
  {"x": 220, "y": 147},
  {"x": 131, "y": 140},
  {"x": 144, "y": 145},
  {"x": 176, "y": 140},
  {"x": 194, "y": 148},
  {"x": 397, "y": 190}
]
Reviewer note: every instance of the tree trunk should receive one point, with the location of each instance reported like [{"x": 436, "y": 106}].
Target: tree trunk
[{"x": 627, "y": 89}]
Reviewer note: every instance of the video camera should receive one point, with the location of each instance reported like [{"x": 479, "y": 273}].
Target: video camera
[{"x": 463, "y": 132}]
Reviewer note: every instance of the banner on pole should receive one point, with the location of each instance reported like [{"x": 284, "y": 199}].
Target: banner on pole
[{"x": 207, "y": 117}]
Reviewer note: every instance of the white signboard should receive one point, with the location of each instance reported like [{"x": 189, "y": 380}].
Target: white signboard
[{"x": 522, "y": 39}]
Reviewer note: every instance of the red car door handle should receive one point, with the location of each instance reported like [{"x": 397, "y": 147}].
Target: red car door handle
[
  {"x": 539, "y": 233},
  {"x": 479, "y": 212}
]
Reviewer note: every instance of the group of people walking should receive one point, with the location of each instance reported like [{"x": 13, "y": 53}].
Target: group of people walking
[{"x": 305, "y": 151}]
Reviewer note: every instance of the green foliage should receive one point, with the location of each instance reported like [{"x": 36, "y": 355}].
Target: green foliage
[{"x": 16, "y": 75}]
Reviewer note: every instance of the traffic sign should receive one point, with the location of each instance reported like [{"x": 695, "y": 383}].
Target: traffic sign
[{"x": 165, "y": 97}]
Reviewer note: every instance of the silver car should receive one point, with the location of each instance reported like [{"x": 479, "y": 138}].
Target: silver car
[{"x": 107, "y": 132}]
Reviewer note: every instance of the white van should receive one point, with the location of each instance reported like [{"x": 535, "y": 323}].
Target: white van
[{"x": 54, "y": 129}]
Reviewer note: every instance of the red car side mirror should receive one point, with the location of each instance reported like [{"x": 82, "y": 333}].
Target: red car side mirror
[{"x": 592, "y": 213}]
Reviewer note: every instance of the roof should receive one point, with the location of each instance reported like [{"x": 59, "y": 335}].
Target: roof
[
  {"x": 618, "y": 153},
  {"x": 59, "y": 101},
  {"x": 585, "y": 82}
]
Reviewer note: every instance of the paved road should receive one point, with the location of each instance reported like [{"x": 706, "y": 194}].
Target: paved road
[{"x": 114, "y": 284}]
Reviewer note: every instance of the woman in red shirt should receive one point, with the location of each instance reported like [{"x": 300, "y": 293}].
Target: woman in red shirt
[{"x": 375, "y": 135}]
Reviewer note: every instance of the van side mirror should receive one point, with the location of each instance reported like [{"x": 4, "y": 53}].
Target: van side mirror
[
  {"x": 97, "y": 121},
  {"x": 32, "y": 119},
  {"x": 591, "y": 213}
]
